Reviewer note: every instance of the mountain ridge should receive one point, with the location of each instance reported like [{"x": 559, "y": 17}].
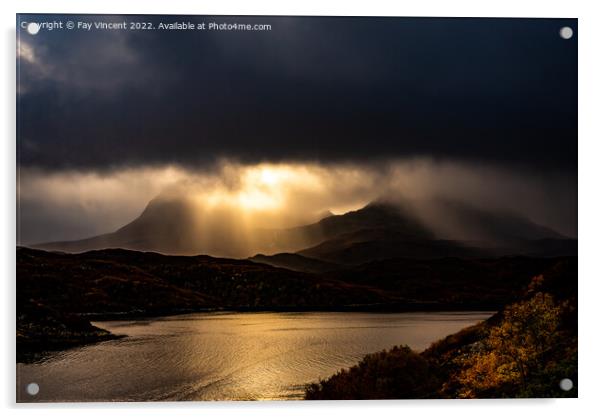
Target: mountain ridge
[{"x": 378, "y": 230}]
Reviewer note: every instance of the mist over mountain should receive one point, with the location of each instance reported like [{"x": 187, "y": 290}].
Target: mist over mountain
[
  {"x": 382, "y": 229},
  {"x": 453, "y": 219}
]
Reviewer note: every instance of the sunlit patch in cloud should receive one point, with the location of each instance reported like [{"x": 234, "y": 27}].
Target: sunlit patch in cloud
[
  {"x": 278, "y": 195},
  {"x": 25, "y": 52},
  {"x": 31, "y": 67}
]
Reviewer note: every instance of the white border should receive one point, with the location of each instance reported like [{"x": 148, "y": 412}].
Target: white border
[{"x": 590, "y": 207}]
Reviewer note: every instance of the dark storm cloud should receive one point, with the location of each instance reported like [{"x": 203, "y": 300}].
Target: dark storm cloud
[{"x": 497, "y": 91}]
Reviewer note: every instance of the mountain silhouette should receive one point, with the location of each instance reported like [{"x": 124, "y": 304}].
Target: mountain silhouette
[
  {"x": 379, "y": 230},
  {"x": 454, "y": 229},
  {"x": 164, "y": 226}
]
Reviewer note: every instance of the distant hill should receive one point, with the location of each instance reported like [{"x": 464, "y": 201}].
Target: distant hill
[
  {"x": 295, "y": 262},
  {"x": 371, "y": 245},
  {"x": 374, "y": 216},
  {"x": 165, "y": 225},
  {"x": 467, "y": 233},
  {"x": 374, "y": 244}
]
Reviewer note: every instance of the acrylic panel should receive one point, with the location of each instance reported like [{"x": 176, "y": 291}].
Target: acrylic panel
[{"x": 295, "y": 207}]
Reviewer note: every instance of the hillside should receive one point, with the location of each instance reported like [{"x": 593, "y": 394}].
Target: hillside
[
  {"x": 522, "y": 351},
  {"x": 377, "y": 244},
  {"x": 118, "y": 281},
  {"x": 469, "y": 284},
  {"x": 295, "y": 262}
]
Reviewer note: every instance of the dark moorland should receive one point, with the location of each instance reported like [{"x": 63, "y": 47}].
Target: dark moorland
[{"x": 58, "y": 294}]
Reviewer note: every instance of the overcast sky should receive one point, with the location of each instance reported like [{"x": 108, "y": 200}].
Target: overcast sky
[{"x": 480, "y": 92}]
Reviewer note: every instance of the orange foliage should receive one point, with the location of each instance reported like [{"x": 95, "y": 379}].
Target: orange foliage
[{"x": 514, "y": 349}]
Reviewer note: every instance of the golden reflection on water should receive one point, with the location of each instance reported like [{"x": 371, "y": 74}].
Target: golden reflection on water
[{"x": 228, "y": 356}]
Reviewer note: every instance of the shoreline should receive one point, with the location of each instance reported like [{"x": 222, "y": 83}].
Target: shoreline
[{"x": 369, "y": 308}]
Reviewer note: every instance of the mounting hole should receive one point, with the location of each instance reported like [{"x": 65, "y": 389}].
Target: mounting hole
[
  {"x": 32, "y": 388},
  {"x": 566, "y": 32},
  {"x": 33, "y": 28},
  {"x": 566, "y": 384}
]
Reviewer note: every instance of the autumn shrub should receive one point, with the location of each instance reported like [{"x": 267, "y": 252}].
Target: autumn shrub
[
  {"x": 515, "y": 353},
  {"x": 397, "y": 373}
]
